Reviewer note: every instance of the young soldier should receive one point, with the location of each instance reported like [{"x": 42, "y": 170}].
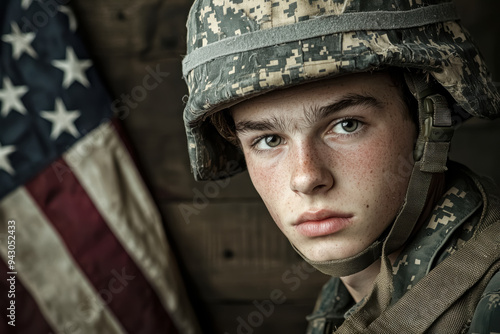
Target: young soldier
[{"x": 343, "y": 112}]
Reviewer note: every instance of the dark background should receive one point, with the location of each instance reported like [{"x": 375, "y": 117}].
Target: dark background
[{"x": 232, "y": 255}]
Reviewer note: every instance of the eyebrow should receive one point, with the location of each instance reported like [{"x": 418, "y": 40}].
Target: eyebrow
[{"x": 311, "y": 115}]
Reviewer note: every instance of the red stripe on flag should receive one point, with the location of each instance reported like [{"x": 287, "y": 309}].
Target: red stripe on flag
[
  {"x": 28, "y": 318},
  {"x": 110, "y": 269}
]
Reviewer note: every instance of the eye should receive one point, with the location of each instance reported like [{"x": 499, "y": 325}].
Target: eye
[
  {"x": 268, "y": 142},
  {"x": 346, "y": 126},
  {"x": 273, "y": 140}
]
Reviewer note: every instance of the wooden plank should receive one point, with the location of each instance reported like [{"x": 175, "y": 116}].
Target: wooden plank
[
  {"x": 481, "y": 20},
  {"x": 234, "y": 251},
  {"x": 476, "y": 144},
  {"x": 144, "y": 28},
  {"x": 261, "y": 319}
]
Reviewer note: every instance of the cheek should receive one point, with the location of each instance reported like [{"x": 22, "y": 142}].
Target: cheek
[
  {"x": 378, "y": 170},
  {"x": 262, "y": 177},
  {"x": 272, "y": 182},
  {"x": 269, "y": 183}
]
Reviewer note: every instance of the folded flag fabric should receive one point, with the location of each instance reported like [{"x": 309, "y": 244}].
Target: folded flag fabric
[{"x": 82, "y": 248}]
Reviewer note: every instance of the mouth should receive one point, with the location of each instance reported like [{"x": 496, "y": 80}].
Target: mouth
[{"x": 321, "y": 223}]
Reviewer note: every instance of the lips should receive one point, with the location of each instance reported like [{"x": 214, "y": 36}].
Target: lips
[{"x": 322, "y": 223}]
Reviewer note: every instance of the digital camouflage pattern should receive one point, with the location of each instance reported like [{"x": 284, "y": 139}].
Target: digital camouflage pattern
[
  {"x": 454, "y": 220},
  {"x": 488, "y": 309},
  {"x": 443, "y": 49}
]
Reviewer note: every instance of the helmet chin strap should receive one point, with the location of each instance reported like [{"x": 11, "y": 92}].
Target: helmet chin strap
[{"x": 430, "y": 156}]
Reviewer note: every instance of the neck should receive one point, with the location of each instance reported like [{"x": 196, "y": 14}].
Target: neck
[{"x": 360, "y": 284}]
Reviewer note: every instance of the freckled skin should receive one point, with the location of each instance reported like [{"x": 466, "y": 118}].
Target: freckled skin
[{"x": 314, "y": 168}]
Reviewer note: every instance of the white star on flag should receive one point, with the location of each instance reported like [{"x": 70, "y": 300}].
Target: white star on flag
[
  {"x": 62, "y": 120},
  {"x": 71, "y": 17},
  {"x": 25, "y": 4},
  {"x": 10, "y": 96},
  {"x": 4, "y": 163},
  {"x": 73, "y": 68},
  {"x": 20, "y": 42}
]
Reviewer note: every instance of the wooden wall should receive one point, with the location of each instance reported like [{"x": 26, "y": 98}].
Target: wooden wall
[{"x": 232, "y": 256}]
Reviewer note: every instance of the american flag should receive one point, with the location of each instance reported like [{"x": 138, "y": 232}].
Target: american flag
[{"x": 88, "y": 253}]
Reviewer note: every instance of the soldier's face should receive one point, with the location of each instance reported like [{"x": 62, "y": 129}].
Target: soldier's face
[{"x": 329, "y": 160}]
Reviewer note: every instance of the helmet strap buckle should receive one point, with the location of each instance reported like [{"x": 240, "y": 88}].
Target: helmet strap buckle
[{"x": 436, "y": 133}]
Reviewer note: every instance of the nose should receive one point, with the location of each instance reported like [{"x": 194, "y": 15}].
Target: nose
[{"x": 310, "y": 171}]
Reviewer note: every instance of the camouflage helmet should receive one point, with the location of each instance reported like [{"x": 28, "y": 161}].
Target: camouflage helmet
[{"x": 238, "y": 49}]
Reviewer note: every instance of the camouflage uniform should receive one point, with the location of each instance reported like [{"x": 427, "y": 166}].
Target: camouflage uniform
[{"x": 238, "y": 49}]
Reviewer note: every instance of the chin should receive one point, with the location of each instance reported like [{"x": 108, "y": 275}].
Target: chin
[
  {"x": 324, "y": 254},
  {"x": 328, "y": 252}
]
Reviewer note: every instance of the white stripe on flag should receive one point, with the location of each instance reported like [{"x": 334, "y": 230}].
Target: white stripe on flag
[
  {"x": 127, "y": 207},
  {"x": 65, "y": 297}
]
